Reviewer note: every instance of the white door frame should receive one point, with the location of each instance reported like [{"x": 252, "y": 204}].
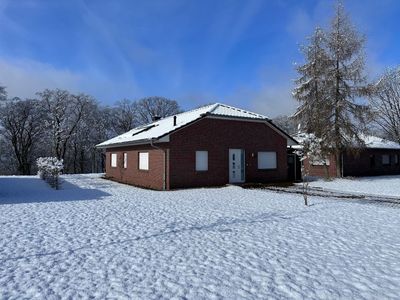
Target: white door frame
[{"x": 237, "y": 164}]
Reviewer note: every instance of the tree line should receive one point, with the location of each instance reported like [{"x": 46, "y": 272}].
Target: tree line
[
  {"x": 337, "y": 104},
  {"x": 68, "y": 126}
]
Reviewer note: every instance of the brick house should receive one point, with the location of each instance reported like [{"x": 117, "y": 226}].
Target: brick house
[
  {"x": 210, "y": 146},
  {"x": 379, "y": 157}
]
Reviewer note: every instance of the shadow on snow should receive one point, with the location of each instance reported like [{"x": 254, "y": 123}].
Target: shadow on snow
[{"x": 30, "y": 189}]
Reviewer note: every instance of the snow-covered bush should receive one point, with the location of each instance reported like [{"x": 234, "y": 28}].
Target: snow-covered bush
[{"x": 49, "y": 169}]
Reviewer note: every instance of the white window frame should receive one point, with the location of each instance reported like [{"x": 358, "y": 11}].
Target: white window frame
[
  {"x": 201, "y": 161},
  {"x": 320, "y": 161},
  {"x": 144, "y": 160},
  {"x": 267, "y": 160},
  {"x": 114, "y": 160},
  {"x": 125, "y": 160},
  {"x": 385, "y": 159}
]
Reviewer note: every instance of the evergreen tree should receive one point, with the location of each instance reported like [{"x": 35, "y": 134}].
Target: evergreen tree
[
  {"x": 311, "y": 85},
  {"x": 346, "y": 80},
  {"x": 330, "y": 84}
]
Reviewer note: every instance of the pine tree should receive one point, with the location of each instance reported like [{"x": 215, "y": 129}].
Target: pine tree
[
  {"x": 346, "y": 80},
  {"x": 310, "y": 90},
  {"x": 330, "y": 84}
]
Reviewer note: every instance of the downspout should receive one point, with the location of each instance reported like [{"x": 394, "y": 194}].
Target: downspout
[
  {"x": 164, "y": 164},
  {"x": 342, "y": 165}
]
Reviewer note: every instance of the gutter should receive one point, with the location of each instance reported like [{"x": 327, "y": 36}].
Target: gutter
[
  {"x": 122, "y": 144},
  {"x": 164, "y": 163}
]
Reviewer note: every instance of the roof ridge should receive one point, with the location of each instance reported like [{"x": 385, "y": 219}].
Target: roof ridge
[
  {"x": 214, "y": 107},
  {"x": 238, "y": 109},
  {"x": 171, "y": 116}
]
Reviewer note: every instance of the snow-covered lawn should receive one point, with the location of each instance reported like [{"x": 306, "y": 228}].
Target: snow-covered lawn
[
  {"x": 378, "y": 185},
  {"x": 107, "y": 240}
]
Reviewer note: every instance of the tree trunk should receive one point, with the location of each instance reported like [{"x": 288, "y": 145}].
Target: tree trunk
[
  {"x": 336, "y": 123},
  {"x": 338, "y": 164}
]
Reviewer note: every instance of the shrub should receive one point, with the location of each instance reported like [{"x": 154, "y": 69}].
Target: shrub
[{"x": 49, "y": 169}]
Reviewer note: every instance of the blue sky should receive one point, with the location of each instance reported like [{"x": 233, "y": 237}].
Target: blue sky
[{"x": 236, "y": 52}]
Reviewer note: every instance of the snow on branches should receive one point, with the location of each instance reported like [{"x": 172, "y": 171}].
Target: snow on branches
[
  {"x": 49, "y": 169},
  {"x": 313, "y": 151},
  {"x": 330, "y": 83}
]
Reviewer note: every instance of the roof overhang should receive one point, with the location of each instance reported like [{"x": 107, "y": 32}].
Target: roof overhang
[{"x": 164, "y": 139}]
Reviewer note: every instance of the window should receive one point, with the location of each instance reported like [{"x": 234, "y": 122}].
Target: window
[
  {"x": 143, "y": 160},
  {"x": 125, "y": 160},
  {"x": 396, "y": 159},
  {"x": 201, "y": 160},
  {"x": 385, "y": 159},
  {"x": 114, "y": 160},
  {"x": 266, "y": 160},
  {"x": 319, "y": 161}
]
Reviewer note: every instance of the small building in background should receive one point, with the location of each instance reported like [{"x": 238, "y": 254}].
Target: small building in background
[
  {"x": 378, "y": 157},
  {"x": 210, "y": 146}
]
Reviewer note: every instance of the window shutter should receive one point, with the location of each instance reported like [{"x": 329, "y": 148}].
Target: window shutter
[
  {"x": 267, "y": 160},
  {"x": 201, "y": 160}
]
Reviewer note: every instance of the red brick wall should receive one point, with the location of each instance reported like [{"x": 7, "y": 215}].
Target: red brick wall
[
  {"x": 217, "y": 136},
  {"x": 360, "y": 165},
  {"x": 322, "y": 171},
  {"x": 153, "y": 178}
]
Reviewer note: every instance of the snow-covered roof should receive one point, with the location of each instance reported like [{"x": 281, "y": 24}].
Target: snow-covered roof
[
  {"x": 162, "y": 127},
  {"x": 379, "y": 143},
  {"x": 371, "y": 142}
]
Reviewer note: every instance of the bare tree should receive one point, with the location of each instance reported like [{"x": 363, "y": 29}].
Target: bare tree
[
  {"x": 83, "y": 156},
  {"x": 152, "y": 107},
  {"x": 286, "y": 123},
  {"x": 124, "y": 116},
  {"x": 67, "y": 126},
  {"x": 64, "y": 113},
  {"x": 385, "y": 103},
  {"x": 22, "y": 125},
  {"x": 8, "y": 163}
]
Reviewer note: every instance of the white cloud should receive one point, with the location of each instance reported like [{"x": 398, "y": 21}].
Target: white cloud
[
  {"x": 23, "y": 78},
  {"x": 273, "y": 100}
]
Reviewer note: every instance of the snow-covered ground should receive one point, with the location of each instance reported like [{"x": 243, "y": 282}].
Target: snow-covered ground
[
  {"x": 100, "y": 239},
  {"x": 378, "y": 185}
]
